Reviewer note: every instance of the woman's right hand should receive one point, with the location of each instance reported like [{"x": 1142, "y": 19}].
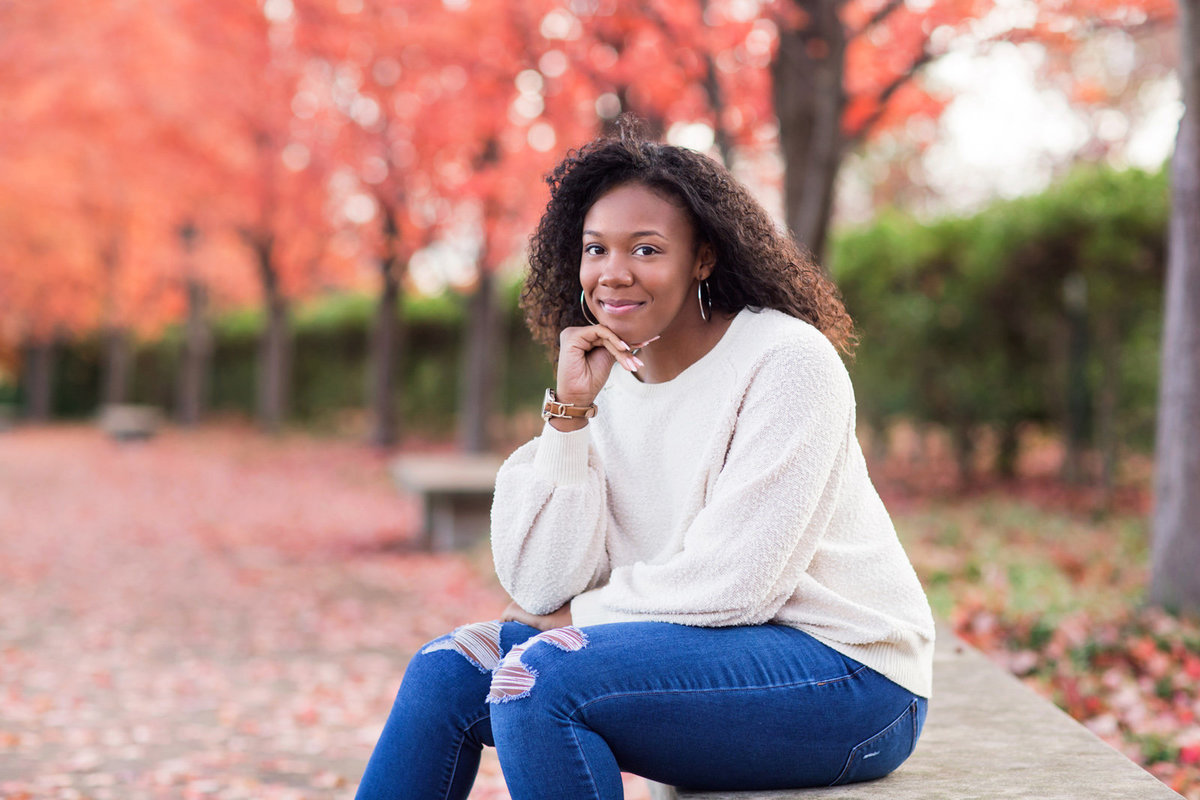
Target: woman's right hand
[
  {"x": 586, "y": 356},
  {"x": 559, "y": 618}
]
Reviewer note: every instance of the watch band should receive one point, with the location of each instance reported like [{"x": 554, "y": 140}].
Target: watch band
[{"x": 551, "y": 407}]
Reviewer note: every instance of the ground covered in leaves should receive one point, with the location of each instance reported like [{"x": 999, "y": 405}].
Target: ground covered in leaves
[
  {"x": 217, "y": 614},
  {"x": 209, "y": 615},
  {"x": 1050, "y": 581}
]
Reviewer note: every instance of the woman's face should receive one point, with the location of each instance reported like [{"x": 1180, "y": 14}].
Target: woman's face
[{"x": 640, "y": 264}]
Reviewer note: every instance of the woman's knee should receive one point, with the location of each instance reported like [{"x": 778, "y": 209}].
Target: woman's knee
[
  {"x": 451, "y": 672},
  {"x": 478, "y": 643},
  {"x": 540, "y": 664}
]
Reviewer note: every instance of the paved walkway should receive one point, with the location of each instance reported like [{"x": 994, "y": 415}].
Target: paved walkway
[{"x": 208, "y": 615}]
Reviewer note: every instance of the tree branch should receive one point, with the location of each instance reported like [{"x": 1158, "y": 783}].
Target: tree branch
[
  {"x": 876, "y": 18},
  {"x": 856, "y": 137}
]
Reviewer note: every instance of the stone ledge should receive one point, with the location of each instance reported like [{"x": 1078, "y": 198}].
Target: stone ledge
[
  {"x": 128, "y": 421},
  {"x": 456, "y": 495},
  {"x": 987, "y": 737}
]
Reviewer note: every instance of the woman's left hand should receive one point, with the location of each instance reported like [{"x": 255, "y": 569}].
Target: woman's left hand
[{"x": 559, "y": 618}]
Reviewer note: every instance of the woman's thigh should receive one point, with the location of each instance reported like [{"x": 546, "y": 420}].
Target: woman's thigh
[{"x": 714, "y": 708}]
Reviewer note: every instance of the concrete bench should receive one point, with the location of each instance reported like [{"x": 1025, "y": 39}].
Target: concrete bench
[
  {"x": 986, "y": 736},
  {"x": 456, "y": 495},
  {"x": 128, "y": 421}
]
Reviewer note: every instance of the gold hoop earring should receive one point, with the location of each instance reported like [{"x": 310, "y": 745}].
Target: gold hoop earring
[
  {"x": 583, "y": 305},
  {"x": 705, "y": 306}
]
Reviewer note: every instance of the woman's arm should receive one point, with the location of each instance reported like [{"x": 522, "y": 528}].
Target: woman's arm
[
  {"x": 549, "y": 515},
  {"x": 549, "y": 520}
]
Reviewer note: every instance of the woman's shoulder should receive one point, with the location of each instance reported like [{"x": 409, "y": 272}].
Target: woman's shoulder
[
  {"x": 771, "y": 335},
  {"x": 787, "y": 355}
]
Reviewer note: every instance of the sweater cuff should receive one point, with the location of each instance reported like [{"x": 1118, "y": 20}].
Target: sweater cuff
[{"x": 562, "y": 457}]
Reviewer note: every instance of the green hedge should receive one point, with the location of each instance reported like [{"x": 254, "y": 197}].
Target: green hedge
[
  {"x": 966, "y": 322},
  {"x": 329, "y": 362}
]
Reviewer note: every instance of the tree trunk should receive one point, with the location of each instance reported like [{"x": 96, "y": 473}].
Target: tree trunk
[
  {"x": 1008, "y": 449},
  {"x": 38, "y": 377},
  {"x": 716, "y": 101},
  {"x": 1107, "y": 401},
  {"x": 1078, "y": 392},
  {"x": 476, "y": 400},
  {"x": 196, "y": 360},
  {"x": 118, "y": 367},
  {"x": 964, "y": 454},
  {"x": 274, "y": 357},
  {"x": 1175, "y": 579},
  {"x": 385, "y": 428},
  {"x": 809, "y": 99}
]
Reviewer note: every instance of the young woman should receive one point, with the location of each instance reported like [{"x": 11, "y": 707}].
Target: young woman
[{"x": 707, "y": 590}]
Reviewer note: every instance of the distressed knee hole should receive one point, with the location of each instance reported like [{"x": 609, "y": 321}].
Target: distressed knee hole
[
  {"x": 478, "y": 643},
  {"x": 513, "y": 680}
]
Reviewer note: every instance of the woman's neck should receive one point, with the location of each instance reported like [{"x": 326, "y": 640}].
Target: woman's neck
[{"x": 681, "y": 347}]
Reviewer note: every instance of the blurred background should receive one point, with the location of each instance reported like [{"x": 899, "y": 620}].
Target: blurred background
[{"x": 273, "y": 244}]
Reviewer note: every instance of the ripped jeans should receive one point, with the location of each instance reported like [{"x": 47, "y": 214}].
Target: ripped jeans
[{"x": 758, "y": 707}]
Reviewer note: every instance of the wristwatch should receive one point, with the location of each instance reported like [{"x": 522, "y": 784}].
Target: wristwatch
[{"x": 551, "y": 407}]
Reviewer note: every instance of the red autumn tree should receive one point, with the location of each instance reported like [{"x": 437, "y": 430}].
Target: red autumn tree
[
  {"x": 89, "y": 156},
  {"x": 445, "y": 130},
  {"x": 273, "y": 164},
  {"x": 501, "y": 146},
  {"x": 380, "y": 78}
]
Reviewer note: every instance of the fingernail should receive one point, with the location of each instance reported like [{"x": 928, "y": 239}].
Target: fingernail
[
  {"x": 648, "y": 341},
  {"x": 625, "y": 346},
  {"x": 639, "y": 362},
  {"x": 631, "y": 366}
]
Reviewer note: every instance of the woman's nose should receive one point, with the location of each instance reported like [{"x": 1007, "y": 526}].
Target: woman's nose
[{"x": 615, "y": 273}]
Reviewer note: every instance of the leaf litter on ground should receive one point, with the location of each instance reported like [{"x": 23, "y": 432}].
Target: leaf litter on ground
[{"x": 221, "y": 614}]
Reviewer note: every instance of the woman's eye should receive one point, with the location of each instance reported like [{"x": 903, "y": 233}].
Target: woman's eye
[
  {"x": 644, "y": 250},
  {"x": 593, "y": 249}
]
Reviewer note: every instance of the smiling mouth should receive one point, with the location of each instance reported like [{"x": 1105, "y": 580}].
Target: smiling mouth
[{"x": 620, "y": 306}]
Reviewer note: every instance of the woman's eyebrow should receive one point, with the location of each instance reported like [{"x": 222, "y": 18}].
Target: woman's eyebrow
[{"x": 633, "y": 235}]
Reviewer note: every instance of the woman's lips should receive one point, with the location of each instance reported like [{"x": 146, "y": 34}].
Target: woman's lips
[{"x": 620, "y": 306}]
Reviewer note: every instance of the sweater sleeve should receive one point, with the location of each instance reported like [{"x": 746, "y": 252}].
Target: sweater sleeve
[
  {"x": 748, "y": 546},
  {"x": 548, "y": 520}
]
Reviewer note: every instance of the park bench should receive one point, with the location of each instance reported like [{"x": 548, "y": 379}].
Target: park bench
[
  {"x": 126, "y": 421},
  {"x": 986, "y": 736},
  {"x": 455, "y": 493}
]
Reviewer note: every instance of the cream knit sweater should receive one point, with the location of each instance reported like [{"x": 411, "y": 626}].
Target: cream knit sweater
[{"x": 734, "y": 494}]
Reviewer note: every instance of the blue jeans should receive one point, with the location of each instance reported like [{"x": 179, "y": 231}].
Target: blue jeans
[{"x": 758, "y": 707}]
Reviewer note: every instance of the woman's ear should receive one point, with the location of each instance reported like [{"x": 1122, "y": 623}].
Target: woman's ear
[{"x": 706, "y": 261}]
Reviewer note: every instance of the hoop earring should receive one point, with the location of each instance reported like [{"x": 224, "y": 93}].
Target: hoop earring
[
  {"x": 583, "y": 305},
  {"x": 705, "y": 305}
]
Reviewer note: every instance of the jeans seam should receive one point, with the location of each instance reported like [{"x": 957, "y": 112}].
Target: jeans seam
[
  {"x": 910, "y": 711},
  {"x": 457, "y": 755},
  {"x": 792, "y": 685},
  {"x": 583, "y": 758},
  {"x": 913, "y": 706}
]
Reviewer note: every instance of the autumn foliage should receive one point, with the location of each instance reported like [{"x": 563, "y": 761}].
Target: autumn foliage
[{"x": 304, "y": 142}]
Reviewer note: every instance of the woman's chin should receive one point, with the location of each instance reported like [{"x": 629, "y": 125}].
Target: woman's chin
[{"x": 629, "y": 331}]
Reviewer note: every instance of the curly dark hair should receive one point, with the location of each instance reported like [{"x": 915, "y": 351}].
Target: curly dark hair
[{"x": 756, "y": 263}]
